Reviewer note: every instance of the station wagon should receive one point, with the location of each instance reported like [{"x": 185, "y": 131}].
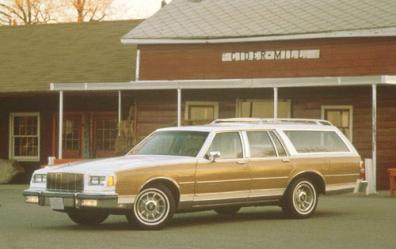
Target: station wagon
[{"x": 222, "y": 166}]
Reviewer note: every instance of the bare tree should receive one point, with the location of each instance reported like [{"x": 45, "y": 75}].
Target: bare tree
[
  {"x": 91, "y": 10},
  {"x": 26, "y": 12}
]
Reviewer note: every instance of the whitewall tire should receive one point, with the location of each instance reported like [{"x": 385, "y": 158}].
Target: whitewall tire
[
  {"x": 300, "y": 199},
  {"x": 153, "y": 208}
]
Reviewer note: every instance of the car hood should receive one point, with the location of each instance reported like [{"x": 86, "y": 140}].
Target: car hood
[{"x": 115, "y": 164}]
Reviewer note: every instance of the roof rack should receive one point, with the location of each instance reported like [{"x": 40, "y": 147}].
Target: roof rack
[{"x": 272, "y": 121}]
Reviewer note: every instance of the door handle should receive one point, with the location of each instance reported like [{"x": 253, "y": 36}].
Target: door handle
[
  {"x": 286, "y": 160},
  {"x": 242, "y": 162}
]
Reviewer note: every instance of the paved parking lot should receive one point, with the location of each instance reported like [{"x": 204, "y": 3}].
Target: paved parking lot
[{"x": 340, "y": 222}]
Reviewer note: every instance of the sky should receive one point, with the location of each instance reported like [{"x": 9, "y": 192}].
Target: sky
[{"x": 135, "y": 9}]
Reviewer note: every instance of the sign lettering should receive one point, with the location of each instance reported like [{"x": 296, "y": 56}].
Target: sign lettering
[{"x": 269, "y": 55}]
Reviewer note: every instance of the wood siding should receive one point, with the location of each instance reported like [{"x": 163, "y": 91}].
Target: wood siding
[{"x": 338, "y": 57}]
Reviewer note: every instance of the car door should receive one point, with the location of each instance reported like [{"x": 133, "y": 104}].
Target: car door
[
  {"x": 269, "y": 163},
  {"x": 227, "y": 178}
]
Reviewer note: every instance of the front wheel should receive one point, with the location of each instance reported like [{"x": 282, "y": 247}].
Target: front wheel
[
  {"x": 153, "y": 208},
  {"x": 300, "y": 199},
  {"x": 87, "y": 217}
]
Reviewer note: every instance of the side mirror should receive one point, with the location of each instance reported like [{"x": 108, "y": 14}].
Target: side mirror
[{"x": 213, "y": 155}]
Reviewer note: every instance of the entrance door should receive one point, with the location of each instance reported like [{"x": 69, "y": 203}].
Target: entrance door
[
  {"x": 72, "y": 135},
  {"x": 104, "y": 135},
  {"x": 227, "y": 180}
]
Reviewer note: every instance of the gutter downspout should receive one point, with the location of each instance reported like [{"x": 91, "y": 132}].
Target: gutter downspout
[{"x": 60, "y": 132}]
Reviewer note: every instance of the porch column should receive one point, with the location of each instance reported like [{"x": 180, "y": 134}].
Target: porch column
[
  {"x": 374, "y": 136},
  {"x": 119, "y": 112},
  {"x": 179, "y": 100},
  {"x": 60, "y": 122},
  {"x": 275, "y": 102}
]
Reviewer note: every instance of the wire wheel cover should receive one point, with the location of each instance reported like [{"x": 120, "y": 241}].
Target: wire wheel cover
[
  {"x": 152, "y": 207},
  {"x": 304, "y": 197}
]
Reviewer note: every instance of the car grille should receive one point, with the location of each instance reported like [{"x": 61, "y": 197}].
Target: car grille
[{"x": 65, "y": 182}]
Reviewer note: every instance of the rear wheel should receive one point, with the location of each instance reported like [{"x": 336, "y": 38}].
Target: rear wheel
[
  {"x": 153, "y": 208},
  {"x": 87, "y": 217},
  {"x": 227, "y": 210},
  {"x": 300, "y": 199}
]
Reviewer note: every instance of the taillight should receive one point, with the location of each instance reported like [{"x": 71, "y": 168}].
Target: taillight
[{"x": 362, "y": 170}]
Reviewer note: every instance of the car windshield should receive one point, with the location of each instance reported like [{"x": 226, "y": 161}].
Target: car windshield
[{"x": 173, "y": 143}]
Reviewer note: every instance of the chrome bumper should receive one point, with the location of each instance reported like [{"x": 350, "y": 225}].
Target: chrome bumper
[{"x": 73, "y": 200}]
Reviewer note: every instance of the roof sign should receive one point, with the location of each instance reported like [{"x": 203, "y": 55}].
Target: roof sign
[{"x": 270, "y": 55}]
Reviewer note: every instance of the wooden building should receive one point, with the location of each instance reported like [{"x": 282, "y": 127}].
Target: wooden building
[{"x": 197, "y": 60}]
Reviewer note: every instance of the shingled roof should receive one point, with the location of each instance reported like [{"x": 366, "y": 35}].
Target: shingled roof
[
  {"x": 219, "y": 19},
  {"x": 32, "y": 57}
]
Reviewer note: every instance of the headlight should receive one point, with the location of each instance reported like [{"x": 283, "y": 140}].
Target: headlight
[
  {"x": 39, "y": 178},
  {"x": 97, "y": 180}
]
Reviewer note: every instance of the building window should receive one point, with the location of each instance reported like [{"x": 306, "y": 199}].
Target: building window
[
  {"x": 262, "y": 108},
  {"x": 25, "y": 136},
  {"x": 201, "y": 112},
  {"x": 341, "y": 117}
]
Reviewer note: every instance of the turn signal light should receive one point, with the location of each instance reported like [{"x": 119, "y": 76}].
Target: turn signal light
[{"x": 110, "y": 181}]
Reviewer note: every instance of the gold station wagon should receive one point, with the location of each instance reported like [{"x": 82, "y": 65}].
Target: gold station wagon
[{"x": 223, "y": 166}]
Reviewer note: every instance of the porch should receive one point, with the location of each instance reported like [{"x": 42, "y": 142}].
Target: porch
[{"x": 167, "y": 103}]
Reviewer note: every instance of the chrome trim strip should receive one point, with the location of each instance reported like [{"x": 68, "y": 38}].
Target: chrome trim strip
[
  {"x": 267, "y": 192},
  {"x": 239, "y": 194},
  {"x": 186, "y": 183},
  {"x": 245, "y": 179},
  {"x": 340, "y": 175},
  {"x": 186, "y": 197},
  {"x": 340, "y": 186},
  {"x": 270, "y": 178},
  {"x": 222, "y": 195},
  {"x": 228, "y": 180}
]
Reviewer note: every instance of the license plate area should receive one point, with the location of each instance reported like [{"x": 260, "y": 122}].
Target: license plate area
[{"x": 57, "y": 203}]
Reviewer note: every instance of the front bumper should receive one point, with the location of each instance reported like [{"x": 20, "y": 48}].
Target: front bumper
[{"x": 61, "y": 201}]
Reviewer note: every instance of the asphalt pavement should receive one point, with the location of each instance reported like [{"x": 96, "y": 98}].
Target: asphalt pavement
[{"x": 344, "y": 221}]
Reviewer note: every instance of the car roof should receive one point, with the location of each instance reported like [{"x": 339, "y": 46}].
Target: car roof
[{"x": 252, "y": 124}]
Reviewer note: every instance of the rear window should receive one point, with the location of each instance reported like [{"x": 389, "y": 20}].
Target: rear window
[{"x": 316, "y": 141}]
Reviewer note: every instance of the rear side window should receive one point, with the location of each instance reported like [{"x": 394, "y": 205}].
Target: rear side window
[
  {"x": 278, "y": 144},
  {"x": 260, "y": 144},
  {"x": 316, "y": 141}
]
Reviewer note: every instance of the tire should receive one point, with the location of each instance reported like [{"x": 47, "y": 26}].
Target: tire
[
  {"x": 153, "y": 208},
  {"x": 87, "y": 217},
  {"x": 227, "y": 210},
  {"x": 300, "y": 199}
]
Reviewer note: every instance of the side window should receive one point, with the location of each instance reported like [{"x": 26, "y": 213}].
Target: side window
[
  {"x": 278, "y": 144},
  {"x": 228, "y": 144},
  {"x": 260, "y": 144},
  {"x": 316, "y": 141}
]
